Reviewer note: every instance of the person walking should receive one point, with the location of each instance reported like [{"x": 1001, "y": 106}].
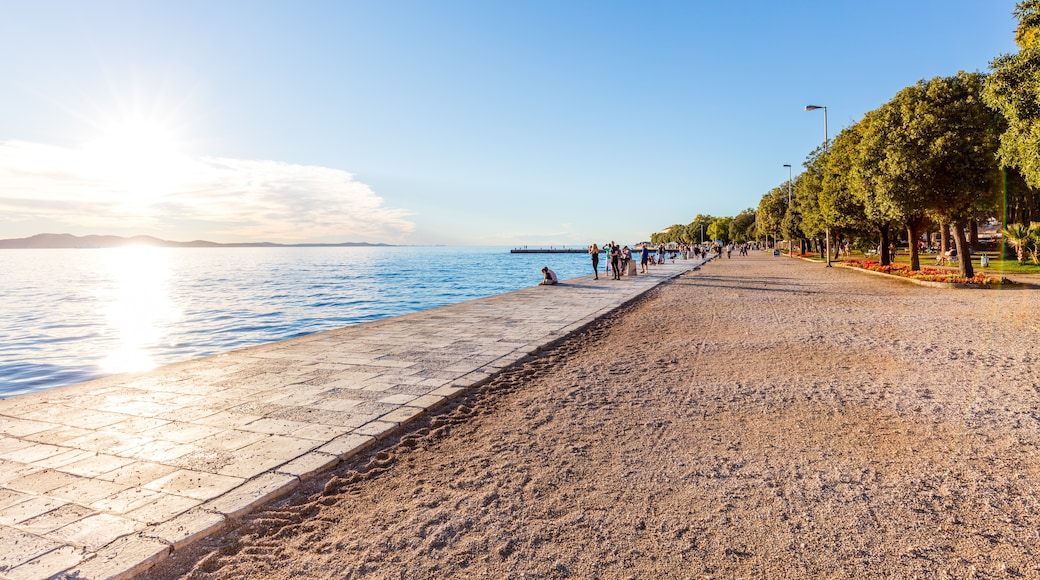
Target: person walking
[
  {"x": 594, "y": 252},
  {"x": 644, "y": 258}
]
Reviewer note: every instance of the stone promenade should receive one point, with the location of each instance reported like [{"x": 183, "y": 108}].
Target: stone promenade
[{"x": 106, "y": 478}]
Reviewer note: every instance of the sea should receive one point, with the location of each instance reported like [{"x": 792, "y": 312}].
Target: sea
[{"x": 72, "y": 315}]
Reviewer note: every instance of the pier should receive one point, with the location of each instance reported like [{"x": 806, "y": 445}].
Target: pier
[
  {"x": 549, "y": 251},
  {"x": 106, "y": 478}
]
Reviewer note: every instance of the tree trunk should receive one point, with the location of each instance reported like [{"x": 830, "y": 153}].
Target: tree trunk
[
  {"x": 883, "y": 248},
  {"x": 944, "y": 237},
  {"x": 823, "y": 248},
  {"x": 973, "y": 232},
  {"x": 912, "y": 229},
  {"x": 963, "y": 252}
]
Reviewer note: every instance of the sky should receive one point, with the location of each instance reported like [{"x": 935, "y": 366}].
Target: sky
[{"x": 457, "y": 122}]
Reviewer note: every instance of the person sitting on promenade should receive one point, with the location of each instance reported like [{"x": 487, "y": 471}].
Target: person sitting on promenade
[{"x": 549, "y": 277}]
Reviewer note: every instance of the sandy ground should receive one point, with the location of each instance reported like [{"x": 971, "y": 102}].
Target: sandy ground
[{"x": 763, "y": 417}]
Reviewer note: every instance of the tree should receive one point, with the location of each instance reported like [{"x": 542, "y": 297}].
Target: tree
[
  {"x": 841, "y": 205},
  {"x": 742, "y": 228},
  {"x": 719, "y": 229},
  {"x": 808, "y": 186},
  {"x": 866, "y": 179},
  {"x": 770, "y": 214},
  {"x": 1013, "y": 88},
  {"x": 698, "y": 228},
  {"x": 935, "y": 144}
]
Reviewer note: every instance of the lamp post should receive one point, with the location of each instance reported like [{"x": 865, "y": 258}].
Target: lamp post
[
  {"x": 826, "y": 147},
  {"x": 790, "y": 243}
]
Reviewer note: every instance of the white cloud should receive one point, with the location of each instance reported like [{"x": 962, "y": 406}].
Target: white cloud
[{"x": 229, "y": 199}]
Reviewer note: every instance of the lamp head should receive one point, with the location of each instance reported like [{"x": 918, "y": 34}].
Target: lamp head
[
  {"x": 787, "y": 164},
  {"x": 812, "y": 107}
]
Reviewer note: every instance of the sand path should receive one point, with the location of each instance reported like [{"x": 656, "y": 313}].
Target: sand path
[{"x": 763, "y": 417}]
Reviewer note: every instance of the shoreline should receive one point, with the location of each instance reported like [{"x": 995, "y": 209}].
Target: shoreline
[
  {"x": 174, "y": 305},
  {"x": 105, "y": 478}
]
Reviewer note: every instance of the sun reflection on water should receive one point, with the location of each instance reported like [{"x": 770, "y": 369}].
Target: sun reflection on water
[{"x": 137, "y": 306}]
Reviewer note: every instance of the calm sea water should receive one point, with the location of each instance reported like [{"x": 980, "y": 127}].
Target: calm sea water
[{"x": 75, "y": 315}]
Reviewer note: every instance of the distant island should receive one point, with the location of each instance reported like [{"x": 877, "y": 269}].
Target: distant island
[{"x": 69, "y": 241}]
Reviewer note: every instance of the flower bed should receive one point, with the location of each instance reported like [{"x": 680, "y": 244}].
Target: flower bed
[{"x": 926, "y": 274}]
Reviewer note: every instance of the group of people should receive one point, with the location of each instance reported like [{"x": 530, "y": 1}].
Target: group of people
[{"x": 618, "y": 258}]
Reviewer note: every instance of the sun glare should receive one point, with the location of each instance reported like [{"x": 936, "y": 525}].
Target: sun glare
[
  {"x": 139, "y": 159},
  {"x": 137, "y": 306}
]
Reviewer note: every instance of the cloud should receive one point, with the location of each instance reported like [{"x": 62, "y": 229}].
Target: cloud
[{"x": 229, "y": 199}]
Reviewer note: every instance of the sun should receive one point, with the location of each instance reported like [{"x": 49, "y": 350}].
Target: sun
[{"x": 138, "y": 160}]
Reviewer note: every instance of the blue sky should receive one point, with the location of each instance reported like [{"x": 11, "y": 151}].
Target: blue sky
[{"x": 441, "y": 122}]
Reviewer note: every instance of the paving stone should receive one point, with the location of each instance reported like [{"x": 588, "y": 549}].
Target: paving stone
[
  {"x": 321, "y": 433},
  {"x": 230, "y": 440},
  {"x": 195, "y": 484},
  {"x": 160, "y": 451},
  {"x": 127, "y": 500},
  {"x": 18, "y": 547},
  {"x": 182, "y": 432},
  {"x": 308, "y": 465},
  {"x": 375, "y": 428},
  {"x": 12, "y": 470},
  {"x": 42, "y": 481},
  {"x": 428, "y": 402},
  {"x": 22, "y": 427},
  {"x": 58, "y": 435},
  {"x": 227, "y": 420},
  {"x": 47, "y": 565},
  {"x": 95, "y": 465},
  {"x": 9, "y": 497},
  {"x": 138, "y": 473},
  {"x": 62, "y": 459},
  {"x": 95, "y": 532},
  {"x": 124, "y": 559},
  {"x": 187, "y": 528},
  {"x": 56, "y": 518},
  {"x": 136, "y": 425},
  {"x": 403, "y": 415},
  {"x": 34, "y": 452},
  {"x": 266, "y": 454},
  {"x": 347, "y": 445},
  {"x": 162, "y": 508},
  {"x": 254, "y": 492},
  {"x": 87, "y": 490},
  {"x": 31, "y": 507},
  {"x": 109, "y": 443}
]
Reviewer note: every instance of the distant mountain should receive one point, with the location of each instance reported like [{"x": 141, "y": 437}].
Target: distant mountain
[{"x": 53, "y": 241}]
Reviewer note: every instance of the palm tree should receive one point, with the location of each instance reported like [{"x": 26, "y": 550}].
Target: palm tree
[
  {"x": 1034, "y": 236},
  {"x": 1017, "y": 235}
]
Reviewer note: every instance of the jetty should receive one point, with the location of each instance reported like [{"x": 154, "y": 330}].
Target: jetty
[
  {"x": 549, "y": 251},
  {"x": 106, "y": 478}
]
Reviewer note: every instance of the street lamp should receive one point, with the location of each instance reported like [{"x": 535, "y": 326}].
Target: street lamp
[
  {"x": 826, "y": 147},
  {"x": 790, "y": 243}
]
